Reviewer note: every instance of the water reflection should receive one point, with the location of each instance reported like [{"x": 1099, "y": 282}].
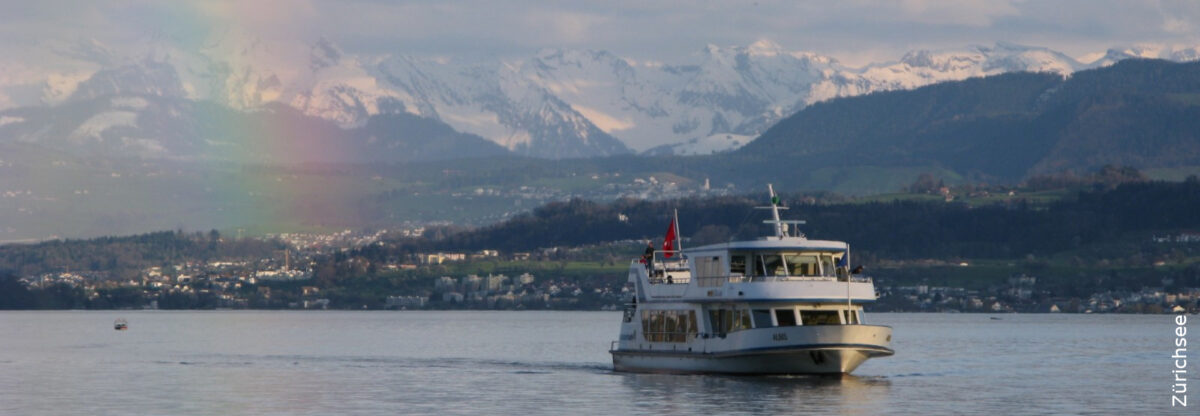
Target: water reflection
[{"x": 677, "y": 394}]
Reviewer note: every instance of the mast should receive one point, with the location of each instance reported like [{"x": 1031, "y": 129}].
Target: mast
[
  {"x": 779, "y": 231},
  {"x": 781, "y": 226}
]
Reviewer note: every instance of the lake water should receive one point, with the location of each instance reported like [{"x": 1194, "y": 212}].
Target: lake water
[{"x": 518, "y": 363}]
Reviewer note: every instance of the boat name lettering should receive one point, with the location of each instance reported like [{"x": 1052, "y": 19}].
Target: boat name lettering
[{"x": 779, "y": 336}]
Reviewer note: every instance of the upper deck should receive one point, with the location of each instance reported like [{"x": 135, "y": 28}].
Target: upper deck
[
  {"x": 753, "y": 271},
  {"x": 785, "y": 267}
]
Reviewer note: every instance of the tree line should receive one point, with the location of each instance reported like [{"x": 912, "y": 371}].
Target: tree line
[{"x": 899, "y": 229}]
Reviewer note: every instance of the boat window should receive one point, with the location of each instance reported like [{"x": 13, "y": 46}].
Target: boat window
[
  {"x": 827, "y": 265},
  {"x": 656, "y": 326},
  {"x": 737, "y": 264},
  {"x": 693, "y": 324},
  {"x": 820, "y": 318},
  {"x": 729, "y": 320},
  {"x": 762, "y": 318},
  {"x": 785, "y": 317},
  {"x": 770, "y": 265},
  {"x": 715, "y": 321},
  {"x": 669, "y": 322},
  {"x": 851, "y": 316},
  {"x": 803, "y": 265},
  {"x": 668, "y": 325},
  {"x": 741, "y": 319},
  {"x": 708, "y": 271}
]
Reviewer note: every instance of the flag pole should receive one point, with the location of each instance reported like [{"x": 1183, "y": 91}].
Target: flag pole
[
  {"x": 678, "y": 234},
  {"x": 849, "y": 306}
]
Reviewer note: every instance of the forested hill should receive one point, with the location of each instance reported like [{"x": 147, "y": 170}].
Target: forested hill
[
  {"x": 1140, "y": 113},
  {"x": 901, "y": 229}
]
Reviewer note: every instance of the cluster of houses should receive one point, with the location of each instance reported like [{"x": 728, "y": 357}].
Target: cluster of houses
[
  {"x": 337, "y": 240},
  {"x": 499, "y": 291},
  {"x": 1020, "y": 294},
  {"x": 248, "y": 283},
  {"x": 223, "y": 280}
]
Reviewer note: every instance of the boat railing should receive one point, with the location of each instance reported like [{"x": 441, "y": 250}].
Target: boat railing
[
  {"x": 670, "y": 260},
  {"x": 670, "y": 279},
  {"x": 860, "y": 279},
  {"x": 737, "y": 278},
  {"x": 669, "y": 336},
  {"x": 668, "y": 270}
]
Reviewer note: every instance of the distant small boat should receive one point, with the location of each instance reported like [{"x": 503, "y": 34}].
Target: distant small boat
[
  {"x": 995, "y": 318},
  {"x": 121, "y": 324}
]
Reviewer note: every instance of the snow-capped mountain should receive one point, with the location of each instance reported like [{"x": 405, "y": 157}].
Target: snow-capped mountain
[
  {"x": 153, "y": 127},
  {"x": 1170, "y": 53},
  {"x": 555, "y": 104}
]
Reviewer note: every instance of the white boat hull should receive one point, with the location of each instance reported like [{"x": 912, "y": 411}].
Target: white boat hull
[{"x": 814, "y": 353}]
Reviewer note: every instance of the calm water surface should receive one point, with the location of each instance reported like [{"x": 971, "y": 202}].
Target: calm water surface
[{"x": 320, "y": 363}]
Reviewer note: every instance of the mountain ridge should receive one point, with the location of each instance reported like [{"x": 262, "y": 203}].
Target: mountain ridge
[
  {"x": 1140, "y": 113},
  {"x": 102, "y": 166},
  {"x": 155, "y": 127},
  {"x": 557, "y": 103}
]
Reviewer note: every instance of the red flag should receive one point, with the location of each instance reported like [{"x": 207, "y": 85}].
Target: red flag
[{"x": 669, "y": 241}]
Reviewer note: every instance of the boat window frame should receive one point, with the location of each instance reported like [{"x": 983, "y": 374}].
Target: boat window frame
[
  {"x": 768, "y": 313},
  {"x": 815, "y": 313},
  {"x": 850, "y": 317},
  {"x": 743, "y": 262},
  {"x": 778, "y": 312},
  {"x": 724, "y": 320},
  {"x": 710, "y": 270},
  {"x": 669, "y": 325},
  {"x": 823, "y": 264}
]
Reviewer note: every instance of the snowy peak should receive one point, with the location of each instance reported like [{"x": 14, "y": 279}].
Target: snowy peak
[
  {"x": 987, "y": 60},
  {"x": 149, "y": 78},
  {"x": 764, "y": 47},
  {"x": 557, "y": 103},
  {"x": 1170, "y": 53}
]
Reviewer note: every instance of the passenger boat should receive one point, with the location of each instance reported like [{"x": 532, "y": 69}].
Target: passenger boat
[
  {"x": 120, "y": 324},
  {"x": 783, "y": 304}
]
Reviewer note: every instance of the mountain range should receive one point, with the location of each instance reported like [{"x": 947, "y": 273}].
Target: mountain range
[
  {"x": 555, "y": 104},
  {"x": 1002, "y": 128},
  {"x": 124, "y": 147},
  {"x": 156, "y": 127}
]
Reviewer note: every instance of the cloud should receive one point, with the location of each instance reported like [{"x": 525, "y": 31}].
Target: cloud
[
  {"x": 1178, "y": 17},
  {"x": 667, "y": 31},
  {"x": 976, "y": 13}
]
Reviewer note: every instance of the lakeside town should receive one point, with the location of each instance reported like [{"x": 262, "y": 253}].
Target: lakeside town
[{"x": 285, "y": 280}]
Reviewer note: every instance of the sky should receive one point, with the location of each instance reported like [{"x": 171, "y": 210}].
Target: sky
[{"x": 855, "y": 32}]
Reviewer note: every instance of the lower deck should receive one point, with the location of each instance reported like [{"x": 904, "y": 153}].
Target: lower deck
[
  {"x": 797, "y": 338},
  {"x": 828, "y": 359}
]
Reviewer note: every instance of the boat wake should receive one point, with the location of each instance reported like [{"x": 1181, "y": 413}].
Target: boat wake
[{"x": 515, "y": 367}]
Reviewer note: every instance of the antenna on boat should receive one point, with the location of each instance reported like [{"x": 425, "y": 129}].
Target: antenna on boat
[{"x": 781, "y": 228}]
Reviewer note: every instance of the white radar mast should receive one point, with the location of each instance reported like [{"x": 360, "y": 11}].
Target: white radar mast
[{"x": 781, "y": 226}]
